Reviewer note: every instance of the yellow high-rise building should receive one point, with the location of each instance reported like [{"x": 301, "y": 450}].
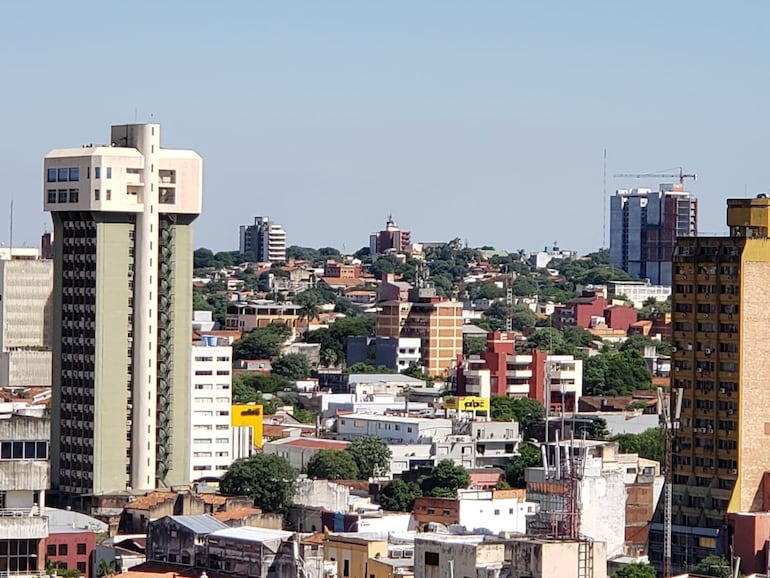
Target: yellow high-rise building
[{"x": 721, "y": 361}]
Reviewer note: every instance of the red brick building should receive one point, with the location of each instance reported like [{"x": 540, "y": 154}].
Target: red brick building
[{"x": 582, "y": 310}]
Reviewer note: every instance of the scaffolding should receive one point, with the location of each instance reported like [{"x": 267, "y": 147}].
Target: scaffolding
[{"x": 559, "y": 498}]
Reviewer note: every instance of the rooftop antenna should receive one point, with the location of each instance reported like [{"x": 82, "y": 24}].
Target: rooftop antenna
[{"x": 10, "y": 240}]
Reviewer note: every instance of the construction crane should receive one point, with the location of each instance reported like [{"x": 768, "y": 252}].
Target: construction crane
[
  {"x": 668, "y": 413},
  {"x": 681, "y": 175}
]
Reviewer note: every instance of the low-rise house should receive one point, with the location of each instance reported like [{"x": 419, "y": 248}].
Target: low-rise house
[
  {"x": 299, "y": 450},
  {"x": 181, "y": 539},
  {"x": 393, "y": 429},
  {"x": 439, "y": 556},
  {"x": 536, "y": 557},
  {"x": 252, "y": 552},
  {"x": 71, "y": 539},
  {"x": 352, "y": 551}
]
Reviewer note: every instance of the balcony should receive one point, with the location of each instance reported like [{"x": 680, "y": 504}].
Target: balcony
[{"x": 23, "y": 524}]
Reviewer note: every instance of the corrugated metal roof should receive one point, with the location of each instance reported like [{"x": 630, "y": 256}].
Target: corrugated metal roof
[
  {"x": 252, "y": 534},
  {"x": 203, "y": 524}
]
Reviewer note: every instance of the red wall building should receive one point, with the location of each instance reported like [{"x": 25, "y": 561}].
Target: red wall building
[
  {"x": 501, "y": 345},
  {"x": 73, "y": 550},
  {"x": 620, "y": 317}
]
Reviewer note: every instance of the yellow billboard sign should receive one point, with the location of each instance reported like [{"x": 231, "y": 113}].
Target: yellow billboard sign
[
  {"x": 467, "y": 403},
  {"x": 248, "y": 416}
]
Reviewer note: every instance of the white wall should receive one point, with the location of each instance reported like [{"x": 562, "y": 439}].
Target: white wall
[
  {"x": 210, "y": 407},
  {"x": 392, "y": 429},
  {"x": 494, "y": 516}
]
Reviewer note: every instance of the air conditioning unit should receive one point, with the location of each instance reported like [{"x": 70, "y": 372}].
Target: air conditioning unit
[
  {"x": 730, "y": 411},
  {"x": 722, "y": 390},
  {"x": 708, "y": 351},
  {"x": 734, "y": 472}
]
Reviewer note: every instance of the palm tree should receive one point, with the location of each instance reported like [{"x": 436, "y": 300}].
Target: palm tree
[{"x": 106, "y": 568}]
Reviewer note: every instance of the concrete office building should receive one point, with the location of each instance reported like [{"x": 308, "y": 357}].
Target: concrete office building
[
  {"x": 722, "y": 363},
  {"x": 26, "y": 282},
  {"x": 210, "y": 406},
  {"x": 644, "y": 226},
  {"x": 265, "y": 241},
  {"x": 122, "y": 215}
]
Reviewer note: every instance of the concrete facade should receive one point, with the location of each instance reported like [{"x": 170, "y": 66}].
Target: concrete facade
[
  {"x": 644, "y": 227},
  {"x": 720, "y": 319},
  {"x": 210, "y": 407},
  {"x": 121, "y": 310},
  {"x": 393, "y": 429},
  {"x": 439, "y": 556},
  {"x": 264, "y": 241},
  {"x": 26, "y": 283}
]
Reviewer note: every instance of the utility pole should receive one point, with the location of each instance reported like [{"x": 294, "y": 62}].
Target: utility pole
[{"x": 669, "y": 422}]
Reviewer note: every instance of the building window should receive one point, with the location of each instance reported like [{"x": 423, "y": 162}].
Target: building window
[
  {"x": 51, "y": 195},
  {"x": 109, "y": 172},
  {"x": 346, "y": 567},
  {"x": 109, "y": 194},
  {"x": 63, "y": 549},
  {"x": 74, "y": 174},
  {"x": 497, "y": 512},
  {"x": 81, "y": 567},
  {"x": 97, "y": 172},
  {"x": 431, "y": 558},
  {"x": 51, "y": 176},
  {"x": 34, "y": 450},
  {"x": 96, "y": 194},
  {"x": 74, "y": 196},
  {"x": 62, "y": 195},
  {"x": 81, "y": 549},
  {"x": 62, "y": 175},
  {"x": 51, "y": 550}
]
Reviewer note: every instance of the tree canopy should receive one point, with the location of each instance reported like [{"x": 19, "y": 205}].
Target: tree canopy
[
  {"x": 399, "y": 496},
  {"x": 648, "y": 444},
  {"x": 332, "y": 465},
  {"x": 635, "y": 571},
  {"x": 333, "y": 339},
  {"x": 618, "y": 373},
  {"x": 372, "y": 456},
  {"x": 292, "y": 366},
  {"x": 268, "y": 479},
  {"x": 445, "y": 479},
  {"x": 716, "y": 566},
  {"x": 528, "y": 456},
  {"x": 521, "y": 409},
  {"x": 262, "y": 342}
]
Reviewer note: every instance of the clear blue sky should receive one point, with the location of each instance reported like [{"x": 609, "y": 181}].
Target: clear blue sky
[{"x": 484, "y": 120}]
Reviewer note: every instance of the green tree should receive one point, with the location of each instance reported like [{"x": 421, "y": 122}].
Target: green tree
[
  {"x": 616, "y": 373},
  {"x": 262, "y": 383},
  {"x": 399, "y": 496},
  {"x": 521, "y": 409},
  {"x": 203, "y": 258},
  {"x": 268, "y": 479},
  {"x": 474, "y": 344},
  {"x": 648, "y": 444},
  {"x": 262, "y": 342},
  {"x": 333, "y": 339},
  {"x": 332, "y": 465},
  {"x": 716, "y": 566},
  {"x": 292, "y": 366},
  {"x": 367, "y": 368},
  {"x": 524, "y": 286},
  {"x": 372, "y": 456},
  {"x": 635, "y": 571},
  {"x": 445, "y": 479},
  {"x": 528, "y": 456},
  {"x": 598, "y": 429}
]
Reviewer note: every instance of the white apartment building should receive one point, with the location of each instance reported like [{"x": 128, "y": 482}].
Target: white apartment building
[
  {"x": 265, "y": 241},
  {"x": 26, "y": 284},
  {"x": 393, "y": 429},
  {"x": 638, "y": 292},
  {"x": 210, "y": 407},
  {"x": 494, "y": 511},
  {"x": 565, "y": 374}
]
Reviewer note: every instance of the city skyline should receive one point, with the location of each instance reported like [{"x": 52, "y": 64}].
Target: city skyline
[{"x": 307, "y": 110}]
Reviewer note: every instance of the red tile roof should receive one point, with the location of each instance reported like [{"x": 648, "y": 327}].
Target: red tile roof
[
  {"x": 236, "y": 514},
  {"x": 150, "y": 500}
]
